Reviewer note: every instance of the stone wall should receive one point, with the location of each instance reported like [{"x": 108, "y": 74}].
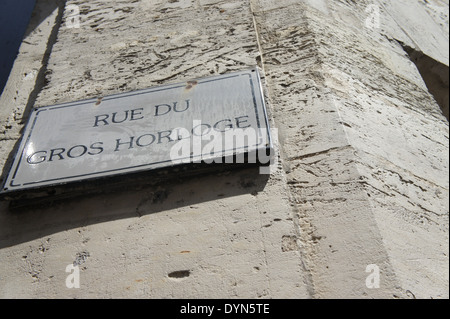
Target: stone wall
[{"x": 362, "y": 176}]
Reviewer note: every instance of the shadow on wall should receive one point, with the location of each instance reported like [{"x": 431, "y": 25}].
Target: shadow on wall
[
  {"x": 435, "y": 75},
  {"x": 29, "y": 223},
  {"x": 42, "y": 10}
]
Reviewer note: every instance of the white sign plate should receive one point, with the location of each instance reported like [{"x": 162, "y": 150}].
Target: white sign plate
[{"x": 142, "y": 130}]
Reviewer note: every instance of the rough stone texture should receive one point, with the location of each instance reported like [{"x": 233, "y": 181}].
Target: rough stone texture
[
  {"x": 362, "y": 177},
  {"x": 422, "y": 25},
  {"x": 211, "y": 237},
  {"x": 353, "y": 161},
  {"x": 138, "y": 44}
]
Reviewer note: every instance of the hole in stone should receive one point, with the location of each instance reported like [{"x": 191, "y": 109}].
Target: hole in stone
[
  {"x": 434, "y": 74},
  {"x": 179, "y": 274}
]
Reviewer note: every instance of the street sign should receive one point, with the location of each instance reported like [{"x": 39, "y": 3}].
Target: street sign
[{"x": 210, "y": 120}]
